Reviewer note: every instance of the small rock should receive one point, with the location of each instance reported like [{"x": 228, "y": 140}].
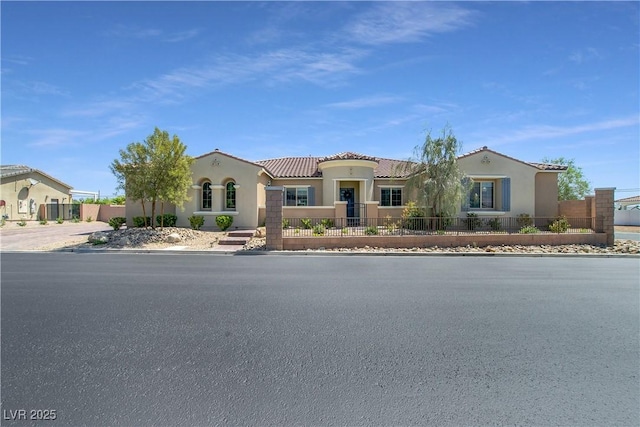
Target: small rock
[
  {"x": 98, "y": 237},
  {"x": 173, "y": 238}
]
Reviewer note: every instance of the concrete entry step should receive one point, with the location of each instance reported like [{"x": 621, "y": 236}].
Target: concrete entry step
[
  {"x": 234, "y": 240},
  {"x": 241, "y": 233}
]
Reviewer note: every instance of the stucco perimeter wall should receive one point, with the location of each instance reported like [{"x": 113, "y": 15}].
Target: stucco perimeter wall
[
  {"x": 134, "y": 208},
  {"x": 577, "y": 208},
  {"x": 109, "y": 211},
  {"x": 481, "y": 240}
]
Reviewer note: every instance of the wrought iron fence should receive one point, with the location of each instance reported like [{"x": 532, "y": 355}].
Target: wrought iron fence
[
  {"x": 64, "y": 211},
  {"x": 304, "y": 227}
]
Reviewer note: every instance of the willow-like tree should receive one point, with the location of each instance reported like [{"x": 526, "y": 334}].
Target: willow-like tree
[
  {"x": 156, "y": 170},
  {"x": 572, "y": 184},
  {"x": 435, "y": 179}
]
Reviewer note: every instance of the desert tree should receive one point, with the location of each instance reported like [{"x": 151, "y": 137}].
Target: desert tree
[
  {"x": 155, "y": 170},
  {"x": 435, "y": 178},
  {"x": 572, "y": 184}
]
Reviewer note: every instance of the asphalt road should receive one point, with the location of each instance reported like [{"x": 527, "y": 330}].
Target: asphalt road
[{"x": 112, "y": 339}]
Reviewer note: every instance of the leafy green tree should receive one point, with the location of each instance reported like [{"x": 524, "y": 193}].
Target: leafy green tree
[
  {"x": 156, "y": 170},
  {"x": 434, "y": 175},
  {"x": 572, "y": 184}
]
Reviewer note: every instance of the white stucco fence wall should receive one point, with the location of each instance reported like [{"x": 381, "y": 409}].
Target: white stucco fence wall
[{"x": 630, "y": 217}]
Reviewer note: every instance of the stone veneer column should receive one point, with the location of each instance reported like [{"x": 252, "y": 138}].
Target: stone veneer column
[
  {"x": 273, "y": 220},
  {"x": 604, "y": 213}
]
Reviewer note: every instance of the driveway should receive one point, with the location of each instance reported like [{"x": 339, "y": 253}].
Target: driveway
[{"x": 35, "y": 236}]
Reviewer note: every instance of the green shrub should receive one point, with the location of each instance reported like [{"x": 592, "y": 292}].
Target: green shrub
[
  {"x": 306, "y": 223},
  {"x": 196, "y": 221},
  {"x": 318, "y": 230},
  {"x": 413, "y": 217},
  {"x": 345, "y": 231},
  {"x": 390, "y": 224},
  {"x": 89, "y": 219},
  {"x": 529, "y": 229},
  {"x": 22, "y": 223},
  {"x": 75, "y": 219},
  {"x": 117, "y": 221},
  {"x": 495, "y": 224},
  {"x": 473, "y": 221},
  {"x": 43, "y": 221},
  {"x": 224, "y": 221},
  {"x": 560, "y": 225},
  {"x": 524, "y": 220},
  {"x": 59, "y": 220},
  {"x": 371, "y": 230},
  {"x": 167, "y": 220},
  {"x": 440, "y": 222},
  {"x": 327, "y": 223},
  {"x": 139, "y": 221},
  {"x": 285, "y": 223}
]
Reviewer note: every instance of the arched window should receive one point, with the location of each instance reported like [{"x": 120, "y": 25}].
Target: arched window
[
  {"x": 230, "y": 196},
  {"x": 206, "y": 196}
]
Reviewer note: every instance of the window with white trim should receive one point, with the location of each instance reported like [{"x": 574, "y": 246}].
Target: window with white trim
[
  {"x": 481, "y": 195},
  {"x": 230, "y": 196},
  {"x": 391, "y": 197},
  {"x": 206, "y": 196},
  {"x": 296, "y": 196}
]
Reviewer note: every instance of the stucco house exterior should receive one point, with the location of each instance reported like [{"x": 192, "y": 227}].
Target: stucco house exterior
[
  {"x": 25, "y": 191},
  {"x": 355, "y": 185}
]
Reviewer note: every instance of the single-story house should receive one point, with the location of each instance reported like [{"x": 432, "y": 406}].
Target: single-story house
[
  {"x": 355, "y": 185},
  {"x": 25, "y": 191}
]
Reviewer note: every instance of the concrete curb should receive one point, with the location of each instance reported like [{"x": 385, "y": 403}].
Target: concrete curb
[{"x": 326, "y": 253}]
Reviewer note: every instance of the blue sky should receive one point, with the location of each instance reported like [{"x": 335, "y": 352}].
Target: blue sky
[{"x": 259, "y": 80}]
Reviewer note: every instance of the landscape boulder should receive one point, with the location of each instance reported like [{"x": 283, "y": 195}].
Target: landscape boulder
[{"x": 98, "y": 237}]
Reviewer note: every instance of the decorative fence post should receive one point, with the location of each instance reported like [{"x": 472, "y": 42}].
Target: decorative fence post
[
  {"x": 273, "y": 220},
  {"x": 604, "y": 213}
]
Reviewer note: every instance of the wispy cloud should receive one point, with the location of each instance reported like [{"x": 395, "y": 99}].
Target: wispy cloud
[
  {"x": 17, "y": 59},
  {"x": 68, "y": 137},
  {"x": 536, "y": 133},
  {"x": 366, "y": 102},
  {"x": 585, "y": 55},
  {"x": 275, "y": 67},
  {"x": 401, "y": 22},
  {"x": 134, "y": 32},
  {"x": 40, "y": 88}
]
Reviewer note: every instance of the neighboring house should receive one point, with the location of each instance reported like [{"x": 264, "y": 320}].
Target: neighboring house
[
  {"x": 355, "y": 185},
  {"x": 627, "y": 203},
  {"x": 25, "y": 192}
]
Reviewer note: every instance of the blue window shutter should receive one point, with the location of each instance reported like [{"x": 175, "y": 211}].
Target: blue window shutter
[
  {"x": 311, "y": 196},
  {"x": 465, "y": 196},
  {"x": 506, "y": 194}
]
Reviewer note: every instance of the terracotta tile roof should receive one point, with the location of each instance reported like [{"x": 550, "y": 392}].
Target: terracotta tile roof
[
  {"x": 307, "y": 167},
  {"x": 541, "y": 166},
  {"x": 348, "y": 155},
  {"x": 292, "y": 167}
]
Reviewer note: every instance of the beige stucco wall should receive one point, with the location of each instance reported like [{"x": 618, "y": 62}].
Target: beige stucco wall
[
  {"x": 495, "y": 166},
  {"x": 358, "y": 173},
  {"x": 17, "y": 190},
  {"x": 546, "y": 194},
  {"x": 219, "y": 168},
  {"x": 311, "y": 182}
]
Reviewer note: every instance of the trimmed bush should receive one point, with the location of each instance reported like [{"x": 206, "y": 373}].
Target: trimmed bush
[
  {"x": 318, "y": 230},
  {"x": 285, "y": 223},
  {"x": 371, "y": 230},
  {"x": 224, "y": 221},
  {"x": 560, "y": 225},
  {"x": 413, "y": 217},
  {"x": 196, "y": 221},
  {"x": 139, "y": 221},
  {"x": 167, "y": 220},
  {"x": 306, "y": 223},
  {"x": 117, "y": 221},
  {"x": 327, "y": 223},
  {"x": 529, "y": 229},
  {"x": 59, "y": 220}
]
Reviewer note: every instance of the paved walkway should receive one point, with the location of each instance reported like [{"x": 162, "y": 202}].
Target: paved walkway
[{"x": 34, "y": 236}]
